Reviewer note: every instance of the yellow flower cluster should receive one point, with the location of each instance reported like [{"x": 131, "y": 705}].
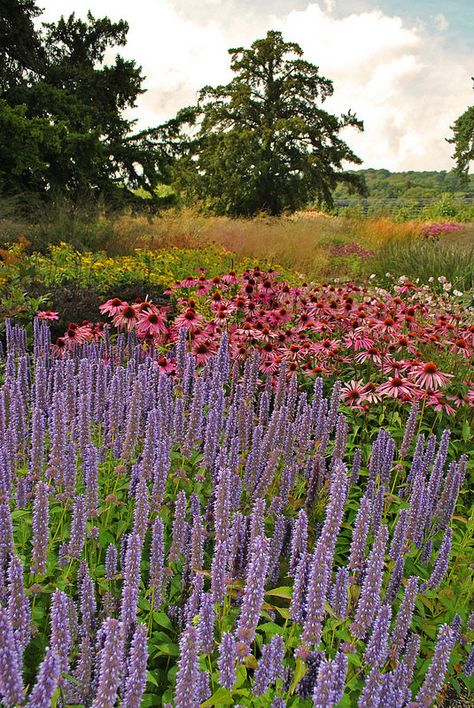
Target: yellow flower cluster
[{"x": 164, "y": 268}]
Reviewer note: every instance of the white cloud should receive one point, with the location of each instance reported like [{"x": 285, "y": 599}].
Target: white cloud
[
  {"x": 441, "y": 23},
  {"x": 399, "y": 79}
]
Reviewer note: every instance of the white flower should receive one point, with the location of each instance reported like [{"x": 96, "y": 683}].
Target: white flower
[
  {"x": 447, "y": 287},
  {"x": 458, "y": 293},
  {"x": 441, "y": 279},
  {"x": 371, "y": 277},
  {"x": 388, "y": 275},
  {"x": 430, "y": 279}
]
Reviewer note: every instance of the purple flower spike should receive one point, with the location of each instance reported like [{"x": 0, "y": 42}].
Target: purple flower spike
[
  {"x": 11, "y": 683},
  {"x": 46, "y": 682},
  {"x": 136, "y": 678},
  {"x": 227, "y": 661},
  {"x": 377, "y": 647},
  {"x": 254, "y": 591},
  {"x": 441, "y": 564},
  {"x": 404, "y": 617},
  {"x": 316, "y": 596},
  {"x": 188, "y": 671},
  {"x": 60, "y": 631},
  {"x": 322, "y": 696},
  {"x": 370, "y": 696},
  {"x": 110, "y": 660},
  {"x": 370, "y": 594},
  {"x": 40, "y": 528},
  {"x": 206, "y": 623},
  {"x": 18, "y": 605},
  {"x": 435, "y": 675}
]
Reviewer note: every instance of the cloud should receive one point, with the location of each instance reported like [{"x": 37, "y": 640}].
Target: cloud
[
  {"x": 400, "y": 79},
  {"x": 441, "y": 23}
]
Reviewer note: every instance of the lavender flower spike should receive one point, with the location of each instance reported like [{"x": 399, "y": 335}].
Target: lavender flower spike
[
  {"x": 110, "y": 660},
  {"x": 40, "y": 528},
  {"x": 316, "y": 596},
  {"x": 377, "y": 647},
  {"x": 46, "y": 682},
  {"x": 254, "y": 591},
  {"x": 11, "y": 683},
  {"x": 227, "y": 661},
  {"x": 435, "y": 675},
  {"x": 322, "y": 696},
  {"x": 405, "y": 614},
  {"x": 370, "y": 594},
  {"x": 136, "y": 679},
  {"x": 441, "y": 564},
  {"x": 188, "y": 671}
]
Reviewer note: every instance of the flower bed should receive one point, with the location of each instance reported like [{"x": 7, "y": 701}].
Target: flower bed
[{"x": 211, "y": 537}]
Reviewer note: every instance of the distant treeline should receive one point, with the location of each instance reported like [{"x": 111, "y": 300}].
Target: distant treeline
[{"x": 434, "y": 194}]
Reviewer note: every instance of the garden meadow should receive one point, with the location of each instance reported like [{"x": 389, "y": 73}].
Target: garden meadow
[{"x": 253, "y": 489}]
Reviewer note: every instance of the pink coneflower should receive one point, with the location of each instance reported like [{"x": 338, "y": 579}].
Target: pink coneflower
[
  {"x": 189, "y": 319},
  {"x": 47, "y": 315},
  {"x": 230, "y": 278},
  {"x": 439, "y": 403},
  {"x": 397, "y": 387},
  {"x": 60, "y": 347},
  {"x": 74, "y": 335},
  {"x": 165, "y": 365},
  {"x": 151, "y": 324},
  {"x": 203, "y": 350},
  {"x": 112, "y": 307},
  {"x": 460, "y": 346},
  {"x": 354, "y": 393},
  {"x": 370, "y": 354},
  {"x": 126, "y": 318},
  {"x": 427, "y": 375}
]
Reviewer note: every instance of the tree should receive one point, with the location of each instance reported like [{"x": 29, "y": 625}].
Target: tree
[
  {"x": 463, "y": 141},
  {"x": 263, "y": 142},
  {"x": 62, "y": 122}
]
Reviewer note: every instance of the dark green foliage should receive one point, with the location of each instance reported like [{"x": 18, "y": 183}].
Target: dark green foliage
[
  {"x": 463, "y": 141},
  {"x": 62, "y": 126},
  {"x": 262, "y": 142}
]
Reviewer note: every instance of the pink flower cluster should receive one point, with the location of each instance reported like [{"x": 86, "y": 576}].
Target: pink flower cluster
[
  {"x": 432, "y": 232},
  {"x": 382, "y": 344},
  {"x": 351, "y": 249}
]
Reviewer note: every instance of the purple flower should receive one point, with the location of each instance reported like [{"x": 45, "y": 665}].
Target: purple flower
[
  {"x": 370, "y": 695},
  {"x": 299, "y": 540},
  {"x": 468, "y": 668},
  {"x": 404, "y": 617},
  {"x": 435, "y": 675},
  {"x": 156, "y": 560},
  {"x": 206, "y": 623},
  {"x": 316, "y": 595},
  {"x": 323, "y": 691},
  {"x": 40, "y": 528},
  {"x": 46, "y": 682},
  {"x": 11, "y": 682},
  {"x": 186, "y": 695},
  {"x": 78, "y": 527},
  {"x": 370, "y": 593},
  {"x": 222, "y": 505},
  {"x": 219, "y": 562},
  {"x": 60, "y": 628},
  {"x": 441, "y": 563},
  {"x": 142, "y": 509},
  {"x": 109, "y": 665},
  {"x": 270, "y": 665},
  {"x": 299, "y": 588},
  {"x": 377, "y": 647},
  {"x": 340, "y": 673},
  {"x": 409, "y": 430},
  {"x": 88, "y": 604},
  {"x": 179, "y": 528},
  {"x": 137, "y": 669},
  {"x": 339, "y": 595},
  {"x": 254, "y": 591},
  {"x": 398, "y": 540},
  {"x": 18, "y": 605},
  {"x": 359, "y": 535},
  {"x": 227, "y": 661},
  {"x": 111, "y": 562}
]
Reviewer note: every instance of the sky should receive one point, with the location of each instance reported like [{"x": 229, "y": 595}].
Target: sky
[{"x": 404, "y": 66}]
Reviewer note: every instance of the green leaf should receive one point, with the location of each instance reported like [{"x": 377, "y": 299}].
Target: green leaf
[
  {"x": 284, "y": 591},
  {"x": 222, "y": 697}
]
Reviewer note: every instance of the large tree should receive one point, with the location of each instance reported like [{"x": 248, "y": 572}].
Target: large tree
[
  {"x": 263, "y": 141},
  {"x": 463, "y": 141},
  {"x": 63, "y": 126}
]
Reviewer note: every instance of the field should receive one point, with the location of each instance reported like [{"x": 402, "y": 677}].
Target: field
[{"x": 236, "y": 463}]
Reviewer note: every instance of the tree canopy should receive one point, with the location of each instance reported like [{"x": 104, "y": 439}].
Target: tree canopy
[
  {"x": 263, "y": 142},
  {"x": 463, "y": 141},
  {"x": 62, "y": 121}
]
